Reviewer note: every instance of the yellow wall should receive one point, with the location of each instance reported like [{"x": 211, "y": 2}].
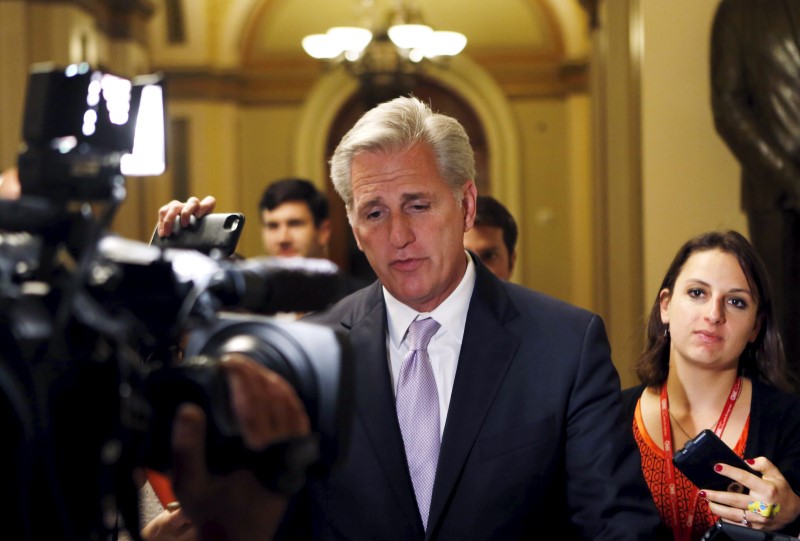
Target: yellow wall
[
  {"x": 545, "y": 218},
  {"x": 690, "y": 180}
]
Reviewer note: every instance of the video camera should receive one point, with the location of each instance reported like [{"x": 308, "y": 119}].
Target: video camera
[{"x": 101, "y": 338}]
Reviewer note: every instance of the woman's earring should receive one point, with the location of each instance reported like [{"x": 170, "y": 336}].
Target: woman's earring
[{"x": 666, "y": 333}]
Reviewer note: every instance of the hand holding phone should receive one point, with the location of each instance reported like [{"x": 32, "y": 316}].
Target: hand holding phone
[
  {"x": 697, "y": 458},
  {"x": 217, "y": 231}
]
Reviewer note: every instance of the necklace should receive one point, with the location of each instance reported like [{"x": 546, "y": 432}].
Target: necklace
[{"x": 685, "y": 433}]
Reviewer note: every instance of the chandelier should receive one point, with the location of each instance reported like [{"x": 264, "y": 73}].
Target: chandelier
[{"x": 385, "y": 54}]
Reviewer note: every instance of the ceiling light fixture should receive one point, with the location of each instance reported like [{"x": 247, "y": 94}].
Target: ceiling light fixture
[{"x": 382, "y": 53}]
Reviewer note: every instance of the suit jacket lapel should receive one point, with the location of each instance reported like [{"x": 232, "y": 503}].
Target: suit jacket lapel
[
  {"x": 486, "y": 353},
  {"x": 375, "y": 400}
]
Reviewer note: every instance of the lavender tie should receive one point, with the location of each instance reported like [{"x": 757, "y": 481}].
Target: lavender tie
[{"x": 418, "y": 412}]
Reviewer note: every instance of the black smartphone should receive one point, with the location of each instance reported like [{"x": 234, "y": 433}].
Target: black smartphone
[
  {"x": 697, "y": 458},
  {"x": 213, "y": 232}
]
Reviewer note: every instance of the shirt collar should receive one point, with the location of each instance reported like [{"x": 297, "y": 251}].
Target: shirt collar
[{"x": 451, "y": 313}]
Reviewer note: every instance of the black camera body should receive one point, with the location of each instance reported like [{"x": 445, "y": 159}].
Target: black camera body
[{"x": 101, "y": 338}]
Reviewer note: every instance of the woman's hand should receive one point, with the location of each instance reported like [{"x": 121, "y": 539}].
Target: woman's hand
[{"x": 771, "y": 489}]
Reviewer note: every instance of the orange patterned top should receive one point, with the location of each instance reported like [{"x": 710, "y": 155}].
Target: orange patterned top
[{"x": 654, "y": 464}]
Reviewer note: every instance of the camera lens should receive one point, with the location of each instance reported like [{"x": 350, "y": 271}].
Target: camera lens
[{"x": 312, "y": 358}]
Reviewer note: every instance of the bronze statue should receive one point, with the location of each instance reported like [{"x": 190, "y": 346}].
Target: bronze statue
[{"x": 755, "y": 97}]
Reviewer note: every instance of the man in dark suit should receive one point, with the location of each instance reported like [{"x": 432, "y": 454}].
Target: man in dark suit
[{"x": 531, "y": 425}]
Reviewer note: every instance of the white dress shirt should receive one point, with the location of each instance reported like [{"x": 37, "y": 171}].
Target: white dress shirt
[{"x": 445, "y": 345}]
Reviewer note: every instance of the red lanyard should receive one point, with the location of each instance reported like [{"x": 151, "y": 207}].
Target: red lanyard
[{"x": 684, "y": 531}]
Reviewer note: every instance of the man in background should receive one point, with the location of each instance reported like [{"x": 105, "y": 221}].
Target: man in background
[
  {"x": 294, "y": 219},
  {"x": 755, "y": 82},
  {"x": 293, "y": 214},
  {"x": 493, "y": 238}
]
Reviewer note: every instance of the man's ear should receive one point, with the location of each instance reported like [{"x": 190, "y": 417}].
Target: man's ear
[
  {"x": 469, "y": 204},
  {"x": 324, "y": 232}
]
